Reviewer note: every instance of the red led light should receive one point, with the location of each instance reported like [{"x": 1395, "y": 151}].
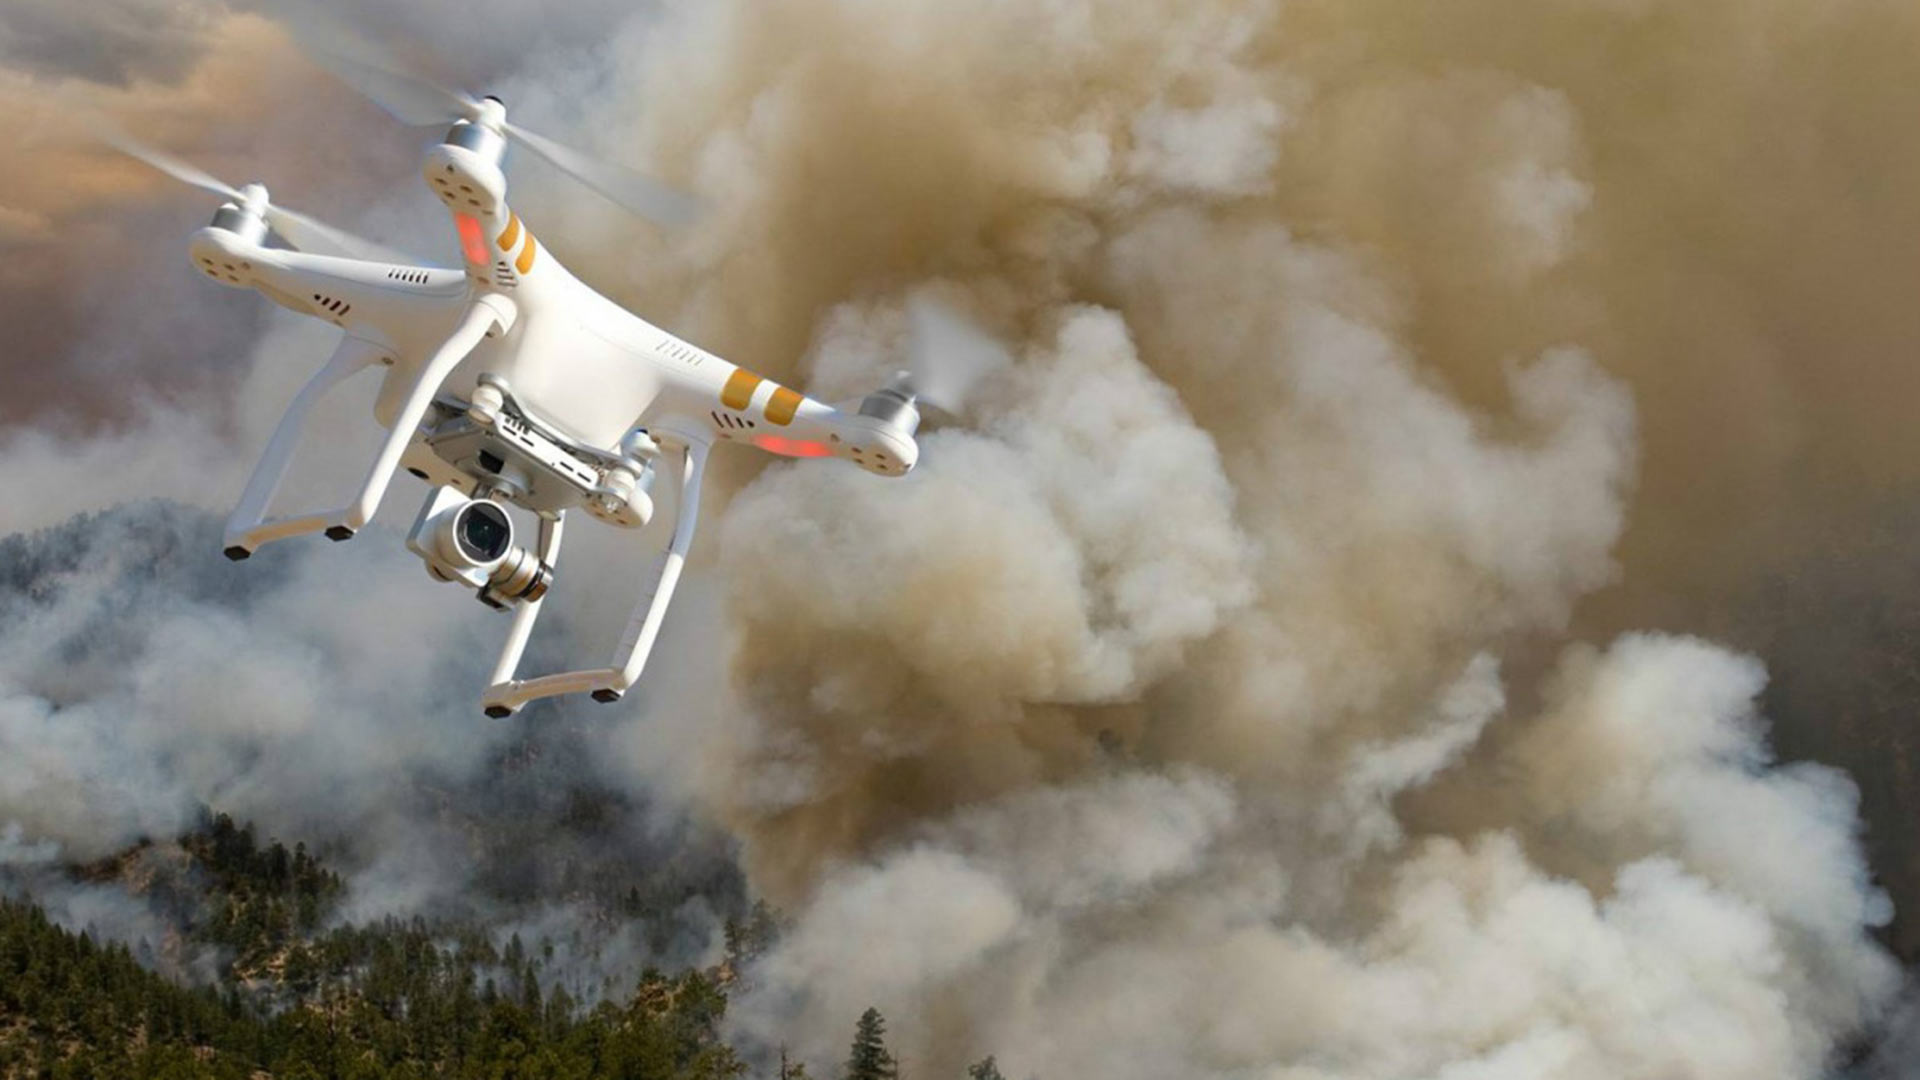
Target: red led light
[
  {"x": 774, "y": 444},
  {"x": 471, "y": 241}
]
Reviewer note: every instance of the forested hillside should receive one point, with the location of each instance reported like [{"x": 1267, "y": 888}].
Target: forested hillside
[
  {"x": 298, "y": 997},
  {"x": 496, "y": 903}
]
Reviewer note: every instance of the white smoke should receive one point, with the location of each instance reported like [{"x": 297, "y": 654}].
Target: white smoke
[
  {"x": 1154, "y": 725},
  {"x": 1183, "y": 714},
  {"x": 124, "y": 710},
  {"x": 1150, "y": 926}
]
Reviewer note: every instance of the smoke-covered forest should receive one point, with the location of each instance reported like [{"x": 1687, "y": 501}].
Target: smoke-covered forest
[
  {"x": 392, "y": 998},
  {"x": 212, "y": 950}
]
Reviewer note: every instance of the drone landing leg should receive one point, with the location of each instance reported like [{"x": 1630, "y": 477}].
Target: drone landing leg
[
  {"x": 244, "y": 532},
  {"x": 507, "y": 695},
  {"x": 523, "y": 619},
  {"x": 637, "y": 643},
  {"x": 248, "y": 528}
]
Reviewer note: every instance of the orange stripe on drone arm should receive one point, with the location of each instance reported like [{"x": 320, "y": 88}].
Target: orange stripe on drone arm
[
  {"x": 782, "y": 405},
  {"x": 739, "y": 389}
]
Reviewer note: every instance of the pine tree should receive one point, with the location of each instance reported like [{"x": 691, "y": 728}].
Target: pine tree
[
  {"x": 792, "y": 1070},
  {"x": 986, "y": 1069},
  {"x": 752, "y": 936},
  {"x": 869, "y": 1059},
  {"x": 385, "y": 999}
]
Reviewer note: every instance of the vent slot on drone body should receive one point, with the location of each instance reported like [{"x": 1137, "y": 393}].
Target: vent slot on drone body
[
  {"x": 411, "y": 277},
  {"x": 338, "y": 308},
  {"x": 681, "y": 351}
]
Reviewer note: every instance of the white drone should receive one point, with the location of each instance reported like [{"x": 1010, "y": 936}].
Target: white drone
[{"x": 508, "y": 382}]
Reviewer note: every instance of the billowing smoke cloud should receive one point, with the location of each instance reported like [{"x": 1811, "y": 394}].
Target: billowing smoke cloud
[
  {"x": 1152, "y": 727},
  {"x": 145, "y": 680},
  {"x": 113, "y": 42},
  {"x": 1237, "y": 690},
  {"x": 116, "y": 724},
  {"x": 1175, "y": 926}
]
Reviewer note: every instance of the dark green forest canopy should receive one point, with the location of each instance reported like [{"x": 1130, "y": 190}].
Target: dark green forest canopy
[
  {"x": 387, "y": 1002},
  {"x": 396, "y": 998}
]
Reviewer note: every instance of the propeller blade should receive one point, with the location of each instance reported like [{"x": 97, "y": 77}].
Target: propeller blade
[
  {"x": 411, "y": 100},
  {"x": 948, "y": 354},
  {"x": 327, "y": 35},
  {"x": 417, "y": 102},
  {"x": 318, "y": 238},
  {"x": 172, "y": 166},
  {"x": 303, "y": 232},
  {"x": 643, "y": 195}
]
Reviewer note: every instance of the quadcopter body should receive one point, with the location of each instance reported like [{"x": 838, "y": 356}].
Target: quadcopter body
[{"x": 514, "y": 390}]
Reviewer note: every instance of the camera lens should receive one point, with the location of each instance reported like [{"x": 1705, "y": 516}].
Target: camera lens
[{"x": 483, "y": 531}]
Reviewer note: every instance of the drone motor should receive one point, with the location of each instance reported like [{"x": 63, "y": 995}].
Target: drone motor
[{"x": 245, "y": 217}]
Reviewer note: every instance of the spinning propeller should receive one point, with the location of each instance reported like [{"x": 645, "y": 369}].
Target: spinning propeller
[
  {"x": 947, "y": 354},
  {"x": 418, "y": 103},
  {"x": 302, "y": 232}
]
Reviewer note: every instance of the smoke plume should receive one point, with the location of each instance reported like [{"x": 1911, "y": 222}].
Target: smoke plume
[
  {"x": 1153, "y": 727},
  {"x": 1278, "y": 669}
]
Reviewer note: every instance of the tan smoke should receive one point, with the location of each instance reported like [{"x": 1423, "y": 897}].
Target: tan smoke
[
  {"x": 1154, "y": 726},
  {"x": 1204, "y": 704}
]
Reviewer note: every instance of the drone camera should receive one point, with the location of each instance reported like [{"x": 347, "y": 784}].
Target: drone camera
[
  {"x": 479, "y": 531},
  {"x": 471, "y": 540}
]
